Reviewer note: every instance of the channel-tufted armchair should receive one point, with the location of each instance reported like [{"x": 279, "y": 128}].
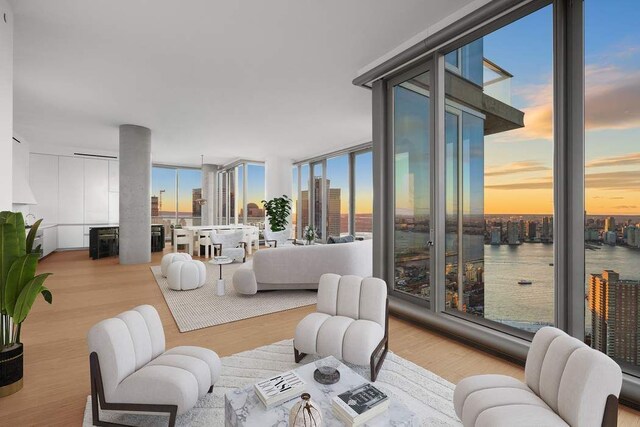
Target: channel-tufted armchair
[
  {"x": 566, "y": 384},
  {"x": 351, "y": 322},
  {"x": 132, "y": 372}
]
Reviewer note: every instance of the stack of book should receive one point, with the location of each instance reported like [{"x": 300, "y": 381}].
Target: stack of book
[
  {"x": 360, "y": 404},
  {"x": 276, "y": 390}
]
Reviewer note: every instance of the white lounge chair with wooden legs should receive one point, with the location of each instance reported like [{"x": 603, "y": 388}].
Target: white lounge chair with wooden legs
[
  {"x": 351, "y": 322},
  {"x": 132, "y": 372},
  {"x": 566, "y": 383}
]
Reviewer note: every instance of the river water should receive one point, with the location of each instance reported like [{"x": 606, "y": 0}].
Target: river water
[{"x": 505, "y": 265}]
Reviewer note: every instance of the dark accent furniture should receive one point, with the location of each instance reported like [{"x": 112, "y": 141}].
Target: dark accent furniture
[
  {"x": 610, "y": 417},
  {"x": 97, "y": 396},
  {"x": 104, "y": 241},
  {"x": 382, "y": 349}
]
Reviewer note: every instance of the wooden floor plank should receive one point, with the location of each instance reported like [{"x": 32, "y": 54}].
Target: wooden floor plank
[{"x": 56, "y": 381}]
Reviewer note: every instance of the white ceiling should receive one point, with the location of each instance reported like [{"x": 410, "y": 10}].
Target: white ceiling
[{"x": 227, "y": 79}]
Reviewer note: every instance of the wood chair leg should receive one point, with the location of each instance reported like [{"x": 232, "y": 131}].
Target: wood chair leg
[{"x": 298, "y": 356}]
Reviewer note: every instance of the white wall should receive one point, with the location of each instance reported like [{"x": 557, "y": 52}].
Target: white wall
[
  {"x": 6, "y": 106},
  {"x": 278, "y": 178}
]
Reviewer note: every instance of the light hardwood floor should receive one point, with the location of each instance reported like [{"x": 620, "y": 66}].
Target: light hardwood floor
[{"x": 56, "y": 380}]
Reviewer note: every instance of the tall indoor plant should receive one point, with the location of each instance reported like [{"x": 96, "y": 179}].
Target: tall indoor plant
[
  {"x": 278, "y": 210},
  {"x": 19, "y": 287}
]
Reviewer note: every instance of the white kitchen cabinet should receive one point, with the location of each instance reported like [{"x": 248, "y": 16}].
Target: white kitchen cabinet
[
  {"x": 49, "y": 240},
  {"x": 114, "y": 176},
  {"x": 71, "y": 192},
  {"x": 70, "y": 236},
  {"x": 43, "y": 178},
  {"x": 114, "y": 208},
  {"x": 96, "y": 191}
]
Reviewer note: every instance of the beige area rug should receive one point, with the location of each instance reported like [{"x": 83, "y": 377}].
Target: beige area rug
[
  {"x": 201, "y": 308},
  {"x": 425, "y": 393}
]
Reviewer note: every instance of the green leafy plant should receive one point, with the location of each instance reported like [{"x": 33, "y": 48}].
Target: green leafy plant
[
  {"x": 309, "y": 234},
  {"x": 278, "y": 210},
  {"x": 19, "y": 284}
]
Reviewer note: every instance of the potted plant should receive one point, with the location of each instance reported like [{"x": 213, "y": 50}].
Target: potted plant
[
  {"x": 309, "y": 234},
  {"x": 278, "y": 211},
  {"x": 19, "y": 287}
]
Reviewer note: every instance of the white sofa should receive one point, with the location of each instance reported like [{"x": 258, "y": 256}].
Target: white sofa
[
  {"x": 131, "y": 371},
  {"x": 351, "y": 322},
  {"x": 300, "y": 267},
  {"x": 567, "y": 384}
]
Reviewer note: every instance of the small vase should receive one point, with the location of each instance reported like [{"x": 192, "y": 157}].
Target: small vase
[{"x": 305, "y": 413}]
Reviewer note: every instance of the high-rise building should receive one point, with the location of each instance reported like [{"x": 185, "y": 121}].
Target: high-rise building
[
  {"x": 614, "y": 316},
  {"x": 333, "y": 211},
  {"x": 155, "y": 209},
  {"x": 547, "y": 229},
  {"x": 532, "y": 228},
  {"x": 512, "y": 233},
  {"x": 522, "y": 230},
  {"x": 333, "y": 207},
  {"x": 610, "y": 224},
  {"x": 496, "y": 236},
  {"x": 196, "y": 207},
  {"x": 610, "y": 237}
]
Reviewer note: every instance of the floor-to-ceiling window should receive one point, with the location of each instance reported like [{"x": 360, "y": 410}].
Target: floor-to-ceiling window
[
  {"x": 334, "y": 193},
  {"x": 337, "y": 188},
  {"x": 507, "y": 152},
  {"x": 304, "y": 213},
  {"x": 612, "y": 179},
  {"x": 318, "y": 198},
  {"x": 255, "y": 194},
  {"x": 176, "y": 197},
  {"x": 239, "y": 194},
  {"x": 499, "y": 189},
  {"x": 295, "y": 201},
  {"x": 363, "y": 195},
  {"x": 412, "y": 168},
  {"x": 241, "y": 189}
]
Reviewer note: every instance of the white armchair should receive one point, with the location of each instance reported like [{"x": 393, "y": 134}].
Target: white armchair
[
  {"x": 276, "y": 239},
  {"x": 567, "y": 384},
  {"x": 132, "y": 372},
  {"x": 230, "y": 244},
  {"x": 351, "y": 322}
]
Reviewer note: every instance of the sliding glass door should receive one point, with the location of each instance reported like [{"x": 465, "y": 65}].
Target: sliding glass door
[{"x": 411, "y": 118}]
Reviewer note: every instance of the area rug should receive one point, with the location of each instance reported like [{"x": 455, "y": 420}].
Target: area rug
[
  {"x": 201, "y": 308},
  {"x": 426, "y": 394}
]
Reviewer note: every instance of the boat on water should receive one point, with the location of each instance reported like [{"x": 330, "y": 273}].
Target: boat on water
[{"x": 525, "y": 282}]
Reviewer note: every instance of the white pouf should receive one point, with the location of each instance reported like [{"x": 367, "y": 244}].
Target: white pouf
[
  {"x": 186, "y": 275},
  {"x": 170, "y": 258}
]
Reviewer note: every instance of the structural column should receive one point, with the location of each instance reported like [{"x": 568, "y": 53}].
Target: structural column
[
  {"x": 278, "y": 178},
  {"x": 135, "y": 194},
  {"x": 209, "y": 193}
]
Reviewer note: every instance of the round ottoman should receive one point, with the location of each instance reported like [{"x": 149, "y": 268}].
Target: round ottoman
[
  {"x": 186, "y": 275},
  {"x": 170, "y": 258}
]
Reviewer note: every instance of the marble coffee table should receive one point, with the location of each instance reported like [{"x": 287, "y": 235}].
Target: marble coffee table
[{"x": 243, "y": 408}]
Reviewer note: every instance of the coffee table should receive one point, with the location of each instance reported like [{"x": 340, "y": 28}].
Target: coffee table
[
  {"x": 243, "y": 408},
  {"x": 221, "y": 260}
]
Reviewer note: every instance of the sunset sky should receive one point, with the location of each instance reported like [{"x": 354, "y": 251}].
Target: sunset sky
[{"x": 518, "y": 164}]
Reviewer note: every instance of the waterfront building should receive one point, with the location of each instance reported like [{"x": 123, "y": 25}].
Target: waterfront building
[{"x": 615, "y": 317}]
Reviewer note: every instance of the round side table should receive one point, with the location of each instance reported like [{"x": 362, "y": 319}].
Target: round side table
[{"x": 220, "y": 260}]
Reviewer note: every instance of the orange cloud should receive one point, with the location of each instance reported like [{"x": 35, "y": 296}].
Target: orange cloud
[
  {"x": 516, "y": 167},
  {"x": 612, "y": 101},
  {"x": 624, "y": 160}
]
